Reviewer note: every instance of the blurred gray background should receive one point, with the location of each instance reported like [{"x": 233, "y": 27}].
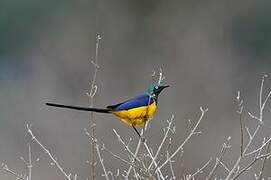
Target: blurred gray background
[{"x": 208, "y": 51}]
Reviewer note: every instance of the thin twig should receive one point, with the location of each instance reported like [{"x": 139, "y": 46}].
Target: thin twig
[
  {"x": 163, "y": 140},
  {"x": 91, "y": 95},
  {"x": 264, "y": 162},
  {"x": 203, "y": 111},
  {"x": 191, "y": 176},
  {"x": 266, "y": 99},
  {"x": 29, "y": 166},
  {"x": 18, "y": 176},
  {"x": 161, "y": 77},
  {"x": 103, "y": 147},
  {"x": 49, "y": 154},
  {"x": 251, "y": 138},
  {"x": 164, "y": 154},
  {"x": 101, "y": 161},
  {"x": 159, "y": 173},
  {"x": 250, "y": 164},
  {"x": 171, "y": 168},
  {"x": 130, "y": 167},
  {"x": 126, "y": 147},
  {"x": 224, "y": 166},
  {"x": 259, "y": 149},
  {"x": 260, "y": 98},
  {"x": 218, "y": 161},
  {"x": 240, "y": 112}
]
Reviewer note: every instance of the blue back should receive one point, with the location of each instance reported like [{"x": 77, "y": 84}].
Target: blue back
[{"x": 142, "y": 100}]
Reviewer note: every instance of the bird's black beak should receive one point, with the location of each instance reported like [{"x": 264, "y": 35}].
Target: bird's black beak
[
  {"x": 159, "y": 90},
  {"x": 163, "y": 87}
]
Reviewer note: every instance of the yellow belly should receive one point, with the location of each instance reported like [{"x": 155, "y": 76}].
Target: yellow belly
[{"x": 136, "y": 116}]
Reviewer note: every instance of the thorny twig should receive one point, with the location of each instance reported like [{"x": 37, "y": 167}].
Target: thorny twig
[
  {"x": 18, "y": 176},
  {"x": 165, "y": 155},
  {"x": 218, "y": 161},
  {"x": 171, "y": 167},
  {"x": 29, "y": 164},
  {"x": 200, "y": 170},
  {"x": 126, "y": 176},
  {"x": 232, "y": 173},
  {"x": 91, "y": 94},
  {"x": 250, "y": 164},
  {"x": 126, "y": 146},
  {"x": 168, "y": 129},
  {"x": 103, "y": 147},
  {"x": 258, "y": 149},
  {"x": 159, "y": 173},
  {"x": 264, "y": 162},
  {"x": 192, "y": 132},
  {"x": 161, "y": 77},
  {"x": 240, "y": 112},
  {"x": 49, "y": 154},
  {"x": 101, "y": 161}
]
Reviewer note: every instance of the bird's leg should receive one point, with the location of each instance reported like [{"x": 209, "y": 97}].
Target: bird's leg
[
  {"x": 142, "y": 138},
  {"x": 136, "y": 131}
]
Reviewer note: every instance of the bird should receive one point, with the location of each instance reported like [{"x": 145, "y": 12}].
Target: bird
[{"x": 134, "y": 112}]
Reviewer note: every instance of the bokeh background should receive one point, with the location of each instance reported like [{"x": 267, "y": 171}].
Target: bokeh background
[{"x": 208, "y": 51}]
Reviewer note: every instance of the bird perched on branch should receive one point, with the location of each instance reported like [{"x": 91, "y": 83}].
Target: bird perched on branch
[{"x": 134, "y": 112}]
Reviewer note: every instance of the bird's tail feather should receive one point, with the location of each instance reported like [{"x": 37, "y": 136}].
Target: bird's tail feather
[{"x": 99, "y": 110}]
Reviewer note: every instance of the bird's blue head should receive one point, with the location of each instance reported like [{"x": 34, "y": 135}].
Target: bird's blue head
[{"x": 155, "y": 89}]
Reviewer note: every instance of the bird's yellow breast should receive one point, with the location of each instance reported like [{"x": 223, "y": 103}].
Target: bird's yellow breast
[{"x": 136, "y": 116}]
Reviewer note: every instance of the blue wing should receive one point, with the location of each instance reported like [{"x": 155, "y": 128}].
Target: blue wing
[{"x": 142, "y": 100}]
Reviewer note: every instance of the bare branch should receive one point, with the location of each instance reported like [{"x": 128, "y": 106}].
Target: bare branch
[
  {"x": 18, "y": 176},
  {"x": 266, "y": 99},
  {"x": 29, "y": 165},
  {"x": 260, "y": 99},
  {"x": 101, "y": 161},
  {"x": 130, "y": 167},
  {"x": 240, "y": 112},
  {"x": 264, "y": 162},
  {"x": 224, "y": 166},
  {"x": 235, "y": 171},
  {"x": 160, "y": 175},
  {"x": 258, "y": 149},
  {"x": 91, "y": 94},
  {"x": 49, "y": 154},
  {"x": 218, "y": 161},
  {"x": 203, "y": 111},
  {"x": 171, "y": 167},
  {"x": 126, "y": 147},
  {"x": 104, "y": 148},
  {"x": 248, "y": 132},
  {"x": 163, "y": 140},
  {"x": 250, "y": 164},
  {"x": 161, "y": 77},
  {"x": 200, "y": 170},
  {"x": 251, "y": 137}
]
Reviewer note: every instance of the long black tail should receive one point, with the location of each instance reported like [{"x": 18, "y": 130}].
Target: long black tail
[{"x": 80, "y": 108}]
